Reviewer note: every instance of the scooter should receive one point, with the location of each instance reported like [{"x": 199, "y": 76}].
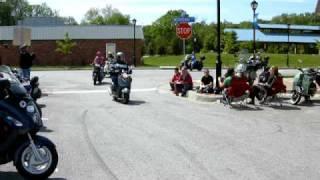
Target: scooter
[
  {"x": 97, "y": 74},
  {"x": 106, "y": 69},
  {"x": 123, "y": 89},
  {"x": 35, "y": 157},
  {"x": 31, "y": 86},
  {"x": 197, "y": 64},
  {"x": 304, "y": 85}
]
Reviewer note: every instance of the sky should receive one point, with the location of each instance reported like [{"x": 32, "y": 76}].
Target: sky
[{"x": 147, "y": 11}]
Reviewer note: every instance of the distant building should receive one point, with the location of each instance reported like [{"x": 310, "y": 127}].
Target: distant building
[
  {"x": 45, "y": 32},
  {"x": 318, "y": 7},
  {"x": 278, "y": 33}
]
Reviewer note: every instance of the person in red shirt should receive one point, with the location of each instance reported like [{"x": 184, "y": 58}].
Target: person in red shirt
[
  {"x": 175, "y": 78},
  {"x": 184, "y": 84},
  {"x": 99, "y": 59}
]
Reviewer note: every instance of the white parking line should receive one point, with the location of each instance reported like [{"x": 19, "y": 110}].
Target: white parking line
[{"x": 95, "y": 91}]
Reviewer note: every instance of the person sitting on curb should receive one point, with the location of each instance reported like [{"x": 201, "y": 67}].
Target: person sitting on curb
[
  {"x": 206, "y": 83},
  {"x": 184, "y": 84},
  {"x": 175, "y": 78},
  {"x": 236, "y": 85}
]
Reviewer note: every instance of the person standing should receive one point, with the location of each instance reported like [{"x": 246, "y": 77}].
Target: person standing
[{"x": 26, "y": 61}]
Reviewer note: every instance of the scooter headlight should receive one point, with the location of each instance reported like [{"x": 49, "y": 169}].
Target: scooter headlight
[
  {"x": 125, "y": 90},
  {"x": 30, "y": 109}
]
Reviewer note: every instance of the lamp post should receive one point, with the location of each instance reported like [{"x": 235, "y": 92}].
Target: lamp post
[
  {"x": 288, "y": 45},
  {"x": 194, "y": 44},
  {"x": 134, "y": 21},
  {"x": 254, "y": 6},
  {"x": 218, "y": 60}
]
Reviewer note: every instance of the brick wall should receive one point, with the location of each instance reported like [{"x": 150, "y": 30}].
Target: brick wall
[{"x": 82, "y": 54}]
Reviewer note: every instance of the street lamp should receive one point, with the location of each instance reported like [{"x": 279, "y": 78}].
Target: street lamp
[
  {"x": 254, "y": 6},
  {"x": 218, "y": 60},
  {"x": 134, "y": 21},
  {"x": 288, "y": 45}
]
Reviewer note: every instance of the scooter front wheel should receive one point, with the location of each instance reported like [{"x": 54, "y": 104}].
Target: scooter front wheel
[
  {"x": 295, "y": 98},
  {"x": 30, "y": 166}
]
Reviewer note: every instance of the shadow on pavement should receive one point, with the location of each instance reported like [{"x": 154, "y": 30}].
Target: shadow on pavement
[
  {"x": 42, "y": 106},
  {"x": 311, "y": 103},
  {"x": 16, "y": 176},
  {"x": 136, "y": 102},
  {"x": 246, "y": 108},
  {"x": 103, "y": 84},
  {"x": 285, "y": 107},
  {"x": 44, "y": 129}
]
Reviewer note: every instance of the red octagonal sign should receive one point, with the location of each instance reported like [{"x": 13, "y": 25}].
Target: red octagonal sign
[{"x": 184, "y": 31}]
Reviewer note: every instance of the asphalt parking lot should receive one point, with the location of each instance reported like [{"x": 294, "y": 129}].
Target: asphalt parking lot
[{"x": 161, "y": 136}]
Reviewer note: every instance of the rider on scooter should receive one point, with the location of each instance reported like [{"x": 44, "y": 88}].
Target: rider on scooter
[
  {"x": 116, "y": 68},
  {"x": 99, "y": 59}
]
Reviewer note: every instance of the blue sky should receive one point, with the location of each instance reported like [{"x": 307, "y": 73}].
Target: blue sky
[{"x": 147, "y": 11}]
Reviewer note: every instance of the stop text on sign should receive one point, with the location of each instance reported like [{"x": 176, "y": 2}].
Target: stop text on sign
[{"x": 184, "y": 31}]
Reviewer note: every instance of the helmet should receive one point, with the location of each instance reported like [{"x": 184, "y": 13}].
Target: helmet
[
  {"x": 98, "y": 53},
  {"x": 187, "y": 57},
  {"x": 241, "y": 68},
  {"x": 119, "y": 54}
]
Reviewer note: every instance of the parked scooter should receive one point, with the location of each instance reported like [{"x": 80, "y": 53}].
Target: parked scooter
[
  {"x": 35, "y": 157},
  {"x": 197, "y": 64},
  {"x": 264, "y": 92},
  {"x": 304, "y": 85},
  {"x": 31, "y": 86},
  {"x": 97, "y": 74},
  {"x": 122, "y": 90}
]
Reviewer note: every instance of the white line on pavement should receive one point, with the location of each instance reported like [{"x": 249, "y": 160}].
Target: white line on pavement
[{"x": 95, "y": 91}]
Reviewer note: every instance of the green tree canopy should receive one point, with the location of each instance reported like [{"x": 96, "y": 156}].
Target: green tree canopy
[{"x": 107, "y": 15}]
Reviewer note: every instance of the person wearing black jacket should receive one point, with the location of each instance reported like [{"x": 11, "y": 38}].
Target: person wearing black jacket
[{"x": 26, "y": 61}]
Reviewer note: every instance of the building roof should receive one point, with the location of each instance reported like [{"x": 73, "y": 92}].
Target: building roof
[
  {"x": 76, "y": 32},
  {"x": 42, "y": 21},
  {"x": 285, "y": 26},
  {"x": 247, "y": 35}
]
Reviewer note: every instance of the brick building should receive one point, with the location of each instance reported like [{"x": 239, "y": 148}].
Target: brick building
[{"x": 89, "y": 39}]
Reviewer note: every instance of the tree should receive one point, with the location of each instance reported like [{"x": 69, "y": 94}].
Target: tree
[
  {"x": 42, "y": 10},
  {"x": 107, "y": 15},
  {"x": 66, "y": 45},
  {"x": 230, "y": 43},
  {"x": 318, "y": 46}
]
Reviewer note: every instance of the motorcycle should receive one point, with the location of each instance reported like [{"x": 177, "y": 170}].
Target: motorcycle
[
  {"x": 31, "y": 86},
  {"x": 97, "y": 74},
  {"x": 251, "y": 65},
  {"x": 304, "y": 85},
  {"x": 106, "y": 69},
  {"x": 197, "y": 64},
  {"x": 122, "y": 90},
  {"x": 35, "y": 157}
]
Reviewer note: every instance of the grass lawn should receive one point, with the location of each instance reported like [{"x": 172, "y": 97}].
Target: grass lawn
[{"x": 295, "y": 60}]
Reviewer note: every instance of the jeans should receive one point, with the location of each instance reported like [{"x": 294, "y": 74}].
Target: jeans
[
  {"x": 114, "y": 79},
  {"x": 25, "y": 73}
]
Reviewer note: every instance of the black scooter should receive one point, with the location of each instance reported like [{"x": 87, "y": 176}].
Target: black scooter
[
  {"x": 197, "y": 64},
  {"x": 122, "y": 90},
  {"x": 97, "y": 74},
  {"x": 35, "y": 157}
]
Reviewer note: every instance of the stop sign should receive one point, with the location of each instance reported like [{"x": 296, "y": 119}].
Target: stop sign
[{"x": 184, "y": 31}]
